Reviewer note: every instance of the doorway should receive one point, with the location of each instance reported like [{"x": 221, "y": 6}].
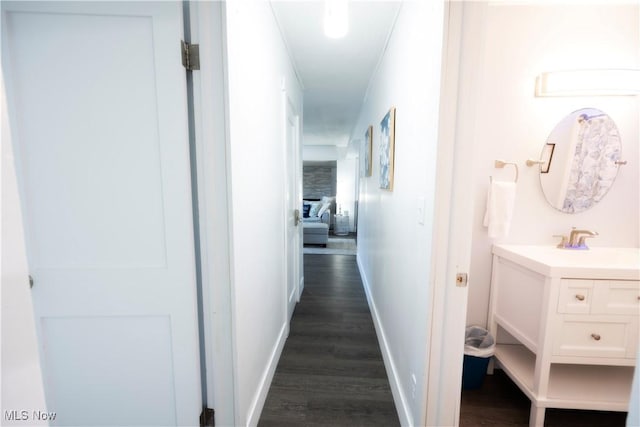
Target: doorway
[{"x": 329, "y": 182}]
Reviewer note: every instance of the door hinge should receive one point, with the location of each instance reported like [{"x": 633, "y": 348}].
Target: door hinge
[
  {"x": 190, "y": 55},
  {"x": 461, "y": 280},
  {"x": 207, "y": 418}
]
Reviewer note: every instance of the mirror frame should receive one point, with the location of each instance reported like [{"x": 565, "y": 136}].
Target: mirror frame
[{"x": 575, "y": 183}]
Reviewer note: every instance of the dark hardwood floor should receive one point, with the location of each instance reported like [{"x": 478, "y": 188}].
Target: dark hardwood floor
[
  {"x": 501, "y": 403},
  {"x": 331, "y": 371}
]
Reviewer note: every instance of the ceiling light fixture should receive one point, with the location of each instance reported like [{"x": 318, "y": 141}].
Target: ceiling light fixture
[
  {"x": 588, "y": 83},
  {"x": 336, "y": 18}
]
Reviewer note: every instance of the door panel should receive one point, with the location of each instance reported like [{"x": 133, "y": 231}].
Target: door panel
[
  {"x": 120, "y": 337},
  {"x": 97, "y": 99}
]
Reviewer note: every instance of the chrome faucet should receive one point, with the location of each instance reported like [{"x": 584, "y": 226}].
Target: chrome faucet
[{"x": 576, "y": 239}]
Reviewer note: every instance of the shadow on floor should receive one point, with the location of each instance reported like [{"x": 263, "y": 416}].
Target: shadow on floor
[{"x": 501, "y": 403}]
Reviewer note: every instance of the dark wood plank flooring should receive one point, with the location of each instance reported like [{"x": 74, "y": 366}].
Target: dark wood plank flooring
[
  {"x": 331, "y": 371},
  {"x": 501, "y": 403}
]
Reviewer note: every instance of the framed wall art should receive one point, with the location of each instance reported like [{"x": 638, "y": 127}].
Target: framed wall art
[{"x": 387, "y": 149}]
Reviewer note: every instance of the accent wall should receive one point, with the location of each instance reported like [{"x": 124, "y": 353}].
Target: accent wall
[{"x": 319, "y": 180}]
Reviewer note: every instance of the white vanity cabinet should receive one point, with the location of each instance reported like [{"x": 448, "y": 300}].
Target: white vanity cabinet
[{"x": 572, "y": 324}]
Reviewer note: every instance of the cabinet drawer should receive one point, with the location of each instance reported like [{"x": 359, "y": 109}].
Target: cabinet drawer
[
  {"x": 575, "y": 296},
  {"x": 617, "y": 297},
  {"x": 594, "y": 337},
  {"x": 599, "y": 297}
]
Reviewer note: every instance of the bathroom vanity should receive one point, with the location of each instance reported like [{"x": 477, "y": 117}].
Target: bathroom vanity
[{"x": 571, "y": 323}]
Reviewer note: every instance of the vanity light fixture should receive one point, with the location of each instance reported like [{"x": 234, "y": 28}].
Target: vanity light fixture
[
  {"x": 588, "y": 83},
  {"x": 336, "y": 18}
]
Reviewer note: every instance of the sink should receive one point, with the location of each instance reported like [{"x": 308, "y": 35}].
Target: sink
[{"x": 603, "y": 263}]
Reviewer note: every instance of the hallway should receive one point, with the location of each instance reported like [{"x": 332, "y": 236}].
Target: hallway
[{"x": 331, "y": 370}]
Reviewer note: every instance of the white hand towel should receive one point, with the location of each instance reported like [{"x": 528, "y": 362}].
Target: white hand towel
[{"x": 500, "y": 200}]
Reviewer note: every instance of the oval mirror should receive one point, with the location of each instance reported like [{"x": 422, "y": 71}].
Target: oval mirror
[{"x": 580, "y": 160}]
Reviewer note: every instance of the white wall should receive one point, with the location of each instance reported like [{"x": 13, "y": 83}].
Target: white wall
[
  {"x": 512, "y": 124},
  {"x": 394, "y": 248},
  {"x": 22, "y": 387},
  {"x": 257, "y": 63},
  {"x": 320, "y": 153},
  {"x": 346, "y": 186}
]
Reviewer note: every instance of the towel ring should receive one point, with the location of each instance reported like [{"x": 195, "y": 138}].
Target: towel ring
[{"x": 501, "y": 164}]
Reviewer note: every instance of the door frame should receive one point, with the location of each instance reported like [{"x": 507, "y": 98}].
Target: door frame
[
  {"x": 291, "y": 159},
  {"x": 207, "y": 22},
  {"x": 297, "y": 186},
  {"x": 463, "y": 40}
]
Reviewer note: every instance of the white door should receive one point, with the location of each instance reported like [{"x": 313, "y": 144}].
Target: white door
[
  {"x": 97, "y": 103},
  {"x": 293, "y": 206},
  {"x": 454, "y": 212}
]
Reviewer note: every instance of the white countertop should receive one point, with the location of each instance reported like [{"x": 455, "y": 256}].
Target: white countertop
[{"x": 594, "y": 263}]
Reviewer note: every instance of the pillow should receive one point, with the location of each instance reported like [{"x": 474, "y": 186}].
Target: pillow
[
  {"x": 315, "y": 207},
  {"x": 323, "y": 209},
  {"x": 326, "y": 199},
  {"x": 306, "y": 207}
]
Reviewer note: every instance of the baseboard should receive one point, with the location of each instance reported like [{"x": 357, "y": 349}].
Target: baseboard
[
  {"x": 255, "y": 410},
  {"x": 404, "y": 413}
]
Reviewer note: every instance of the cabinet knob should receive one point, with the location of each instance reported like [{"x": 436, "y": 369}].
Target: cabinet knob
[
  {"x": 596, "y": 337},
  {"x": 580, "y": 297}
]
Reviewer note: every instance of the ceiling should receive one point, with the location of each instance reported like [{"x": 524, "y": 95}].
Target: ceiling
[{"x": 335, "y": 73}]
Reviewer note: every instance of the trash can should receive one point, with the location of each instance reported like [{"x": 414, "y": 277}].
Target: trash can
[{"x": 479, "y": 346}]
